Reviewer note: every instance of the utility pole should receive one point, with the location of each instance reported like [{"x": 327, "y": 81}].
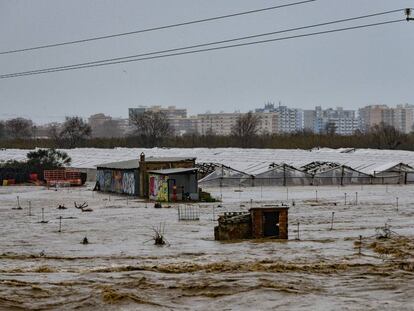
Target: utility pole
[{"x": 408, "y": 15}]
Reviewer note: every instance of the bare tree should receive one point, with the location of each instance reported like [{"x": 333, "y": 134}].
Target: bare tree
[
  {"x": 74, "y": 131},
  {"x": 19, "y": 128},
  {"x": 246, "y": 128},
  {"x": 386, "y": 136},
  {"x": 151, "y": 127}
]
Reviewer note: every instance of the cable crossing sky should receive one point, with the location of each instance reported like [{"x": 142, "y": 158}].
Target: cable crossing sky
[
  {"x": 210, "y": 19},
  {"x": 175, "y": 51}
]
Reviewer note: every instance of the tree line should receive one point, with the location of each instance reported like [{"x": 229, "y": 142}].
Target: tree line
[{"x": 153, "y": 129}]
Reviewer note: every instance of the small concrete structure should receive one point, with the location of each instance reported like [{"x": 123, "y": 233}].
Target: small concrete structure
[
  {"x": 233, "y": 226},
  {"x": 259, "y": 222},
  {"x": 270, "y": 222}
]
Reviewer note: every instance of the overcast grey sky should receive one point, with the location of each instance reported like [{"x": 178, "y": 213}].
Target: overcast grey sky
[{"x": 350, "y": 69}]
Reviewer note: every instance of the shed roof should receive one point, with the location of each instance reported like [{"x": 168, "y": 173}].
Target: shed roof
[
  {"x": 270, "y": 208},
  {"x": 134, "y": 163},
  {"x": 122, "y": 165},
  {"x": 173, "y": 171}
]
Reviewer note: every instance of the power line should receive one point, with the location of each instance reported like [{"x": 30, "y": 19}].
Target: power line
[
  {"x": 157, "y": 28},
  {"x": 220, "y": 42},
  {"x": 122, "y": 59},
  {"x": 203, "y": 50}
]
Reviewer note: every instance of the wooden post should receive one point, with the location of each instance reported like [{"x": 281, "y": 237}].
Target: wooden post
[
  {"x": 60, "y": 223},
  {"x": 356, "y": 198},
  {"x": 316, "y": 195},
  {"x": 332, "y": 220},
  {"x": 298, "y": 238},
  {"x": 397, "y": 203},
  {"x": 360, "y": 245},
  {"x": 345, "y": 198},
  {"x": 30, "y": 208}
]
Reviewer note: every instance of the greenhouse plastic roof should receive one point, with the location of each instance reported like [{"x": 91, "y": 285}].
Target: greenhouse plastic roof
[{"x": 250, "y": 161}]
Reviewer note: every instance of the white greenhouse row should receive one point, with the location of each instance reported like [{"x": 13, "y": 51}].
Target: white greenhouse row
[{"x": 250, "y": 167}]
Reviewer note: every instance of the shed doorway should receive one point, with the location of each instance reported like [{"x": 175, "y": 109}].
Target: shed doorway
[{"x": 271, "y": 224}]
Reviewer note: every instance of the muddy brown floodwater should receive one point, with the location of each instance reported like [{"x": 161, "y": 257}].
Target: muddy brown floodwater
[{"x": 44, "y": 268}]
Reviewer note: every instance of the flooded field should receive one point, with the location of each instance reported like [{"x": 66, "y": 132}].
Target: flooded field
[{"x": 45, "y": 266}]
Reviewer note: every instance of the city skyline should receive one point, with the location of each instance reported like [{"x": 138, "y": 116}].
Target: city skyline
[
  {"x": 271, "y": 119},
  {"x": 125, "y": 115}
]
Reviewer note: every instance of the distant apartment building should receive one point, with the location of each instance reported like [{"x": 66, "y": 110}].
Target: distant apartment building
[
  {"x": 98, "y": 119},
  {"x": 401, "y": 117},
  {"x": 171, "y": 112},
  {"x": 106, "y": 126},
  {"x": 288, "y": 120},
  {"x": 217, "y": 123},
  {"x": 342, "y": 122},
  {"x": 185, "y": 125},
  {"x": 176, "y": 116},
  {"x": 268, "y": 122},
  {"x": 224, "y": 123},
  {"x": 370, "y": 116}
]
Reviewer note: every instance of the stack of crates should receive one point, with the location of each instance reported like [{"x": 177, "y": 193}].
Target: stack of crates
[{"x": 62, "y": 177}]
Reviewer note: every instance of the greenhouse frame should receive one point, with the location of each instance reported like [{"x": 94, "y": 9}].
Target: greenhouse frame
[{"x": 311, "y": 174}]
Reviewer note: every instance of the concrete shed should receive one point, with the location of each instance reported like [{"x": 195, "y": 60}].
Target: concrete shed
[
  {"x": 259, "y": 222},
  {"x": 270, "y": 222},
  {"x": 175, "y": 184},
  {"x": 118, "y": 177},
  {"x": 131, "y": 177}
]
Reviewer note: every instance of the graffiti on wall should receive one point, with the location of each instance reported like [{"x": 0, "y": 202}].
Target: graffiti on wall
[
  {"x": 153, "y": 191},
  {"x": 117, "y": 181},
  {"x": 128, "y": 183},
  {"x": 158, "y": 188},
  {"x": 107, "y": 181},
  {"x": 100, "y": 178}
]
